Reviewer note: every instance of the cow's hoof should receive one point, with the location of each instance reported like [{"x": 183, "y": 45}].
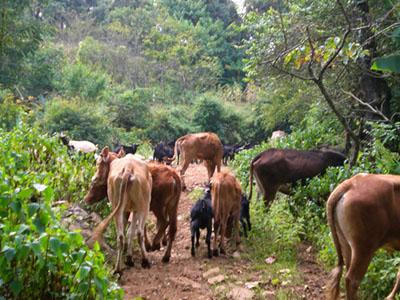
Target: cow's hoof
[
  {"x": 164, "y": 242},
  {"x": 148, "y": 247},
  {"x": 117, "y": 272},
  {"x": 222, "y": 251},
  {"x": 156, "y": 247},
  {"x": 215, "y": 252},
  {"x": 145, "y": 263},
  {"x": 197, "y": 245},
  {"x": 129, "y": 261},
  {"x": 165, "y": 259},
  {"x": 209, "y": 255},
  {"x": 193, "y": 253}
]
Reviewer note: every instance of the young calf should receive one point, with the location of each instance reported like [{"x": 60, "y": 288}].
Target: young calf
[
  {"x": 226, "y": 195},
  {"x": 245, "y": 214},
  {"x": 201, "y": 217}
]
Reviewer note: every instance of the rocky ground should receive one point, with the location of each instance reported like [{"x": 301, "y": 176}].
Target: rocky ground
[{"x": 229, "y": 276}]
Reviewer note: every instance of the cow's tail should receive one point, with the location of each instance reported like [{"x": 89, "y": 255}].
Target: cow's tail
[
  {"x": 251, "y": 180},
  {"x": 333, "y": 286},
  {"x": 98, "y": 231},
  {"x": 177, "y": 143}
]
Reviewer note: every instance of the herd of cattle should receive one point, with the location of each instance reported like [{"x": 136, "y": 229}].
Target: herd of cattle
[{"x": 363, "y": 212}]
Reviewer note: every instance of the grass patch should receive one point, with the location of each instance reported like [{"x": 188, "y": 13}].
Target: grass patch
[{"x": 196, "y": 194}]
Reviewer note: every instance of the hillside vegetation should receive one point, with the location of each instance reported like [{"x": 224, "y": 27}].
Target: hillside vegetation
[{"x": 108, "y": 71}]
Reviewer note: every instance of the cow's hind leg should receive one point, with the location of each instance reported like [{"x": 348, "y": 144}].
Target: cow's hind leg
[
  {"x": 223, "y": 226},
  {"x": 356, "y": 271},
  {"x": 186, "y": 163},
  {"x": 141, "y": 221},
  {"x": 130, "y": 235},
  {"x": 161, "y": 226},
  {"x": 119, "y": 223},
  {"x": 171, "y": 236},
  {"x": 216, "y": 233}
]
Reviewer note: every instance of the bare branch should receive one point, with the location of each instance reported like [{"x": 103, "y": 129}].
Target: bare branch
[{"x": 367, "y": 105}]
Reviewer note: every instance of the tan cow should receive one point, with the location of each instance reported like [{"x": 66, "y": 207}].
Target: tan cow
[
  {"x": 204, "y": 146},
  {"x": 129, "y": 190},
  {"x": 364, "y": 215},
  {"x": 226, "y": 202},
  {"x": 165, "y": 194}
]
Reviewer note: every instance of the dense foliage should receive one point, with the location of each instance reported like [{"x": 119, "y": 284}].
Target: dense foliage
[{"x": 39, "y": 258}]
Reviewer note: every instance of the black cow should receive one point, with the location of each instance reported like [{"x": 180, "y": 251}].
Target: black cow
[
  {"x": 245, "y": 214},
  {"x": 163, "y": 150},
  {"x": 201, "y": 217},
  {"x": 128, "y": 149}
]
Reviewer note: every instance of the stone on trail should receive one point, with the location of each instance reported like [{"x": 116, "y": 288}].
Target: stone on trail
[
  {"x": 216, "y": 279},
  {"x": 236, "y": 254},
  {"x": 251, "y": 285},
  {"x": 211, "y": 272},
  {"x": 239, "y": 293}
]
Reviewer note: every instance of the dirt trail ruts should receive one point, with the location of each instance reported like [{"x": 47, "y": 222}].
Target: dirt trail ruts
[{"x": 182, "y": 278}]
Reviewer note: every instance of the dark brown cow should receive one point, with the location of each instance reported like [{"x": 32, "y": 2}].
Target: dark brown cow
[
  {"x": 165, "y": 195},
  {"x": 204, "y": 146},
  {"x": 275, "y": 167},
  {"x": 226, "y": 202},
  {"x": 364, "y": 214},
  {"x": 129, "y": 191}
]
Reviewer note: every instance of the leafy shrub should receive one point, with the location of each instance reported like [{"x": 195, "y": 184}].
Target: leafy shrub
[
  {"x": 40, "y": 259},
  {"x": 78, "y": 80},
  {"x": 10, "y": 113},
  {"x": 129, "y": 110},
  {"x": 80, "y": 120}
]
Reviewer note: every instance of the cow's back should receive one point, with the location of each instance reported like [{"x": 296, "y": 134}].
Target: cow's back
[
  {"x": 226, "y": 191},
  {"x": 138, "y": 190},
  {"x": 203, "y": 145},
  {"x": 289, "y": 165}
]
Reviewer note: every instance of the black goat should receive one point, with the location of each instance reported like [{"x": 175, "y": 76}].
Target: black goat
[
  {"x": 201, "y": 217},
  {"x": 245, "y": 214},
  {"x": 127, "y": 149}
]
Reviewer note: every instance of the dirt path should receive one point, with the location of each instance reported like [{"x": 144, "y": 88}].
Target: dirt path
[{"x": 186, "y": 277}]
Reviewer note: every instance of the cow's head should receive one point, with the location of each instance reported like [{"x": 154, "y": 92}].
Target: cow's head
[{"x": 98, "y": 186}]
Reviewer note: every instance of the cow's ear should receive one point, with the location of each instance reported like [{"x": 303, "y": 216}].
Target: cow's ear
[
  {"x": 121, "y": 153},
  {"x": 105, "y": 153}
]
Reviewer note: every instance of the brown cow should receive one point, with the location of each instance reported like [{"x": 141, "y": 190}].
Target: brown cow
[
  {"x": 364, "y": 214},
  {"x": 275, "y": 167},
  {"x": 226, "y": 202},
  {"x": 165, "y": 195},
  {"x": 204, "y": 146},
  {"x": 129, "y": 190}
]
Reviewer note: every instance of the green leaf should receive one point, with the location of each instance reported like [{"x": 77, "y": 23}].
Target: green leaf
[
  {"x": 9, "y": 253},
  {"x": 25, "y": 194},
  {"x": 16, "y": 206},
  {"x": 16, "y": 287},
  {"x": 32, "y": 208},
  {"x": 390, "y": 63}
]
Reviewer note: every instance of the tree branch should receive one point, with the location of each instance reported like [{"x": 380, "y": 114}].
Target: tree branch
[{"x": 371, "y": 108}]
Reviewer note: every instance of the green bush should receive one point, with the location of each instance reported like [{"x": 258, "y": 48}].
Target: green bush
[
  {"x": 39, "y": 258},
  {"x": 10, "y": 113},
  {"x": 80, "y": 120},
  {"x": 78, "y": 80}
]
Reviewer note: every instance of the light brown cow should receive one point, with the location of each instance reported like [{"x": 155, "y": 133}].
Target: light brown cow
[
  {"x": 364, "y": 215},
  {"x": 129, "y": 190},
  {"x": 204, "y": 146},
  {"x": 165, "y": 194},
  {"x": 226, "y": 201}
]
